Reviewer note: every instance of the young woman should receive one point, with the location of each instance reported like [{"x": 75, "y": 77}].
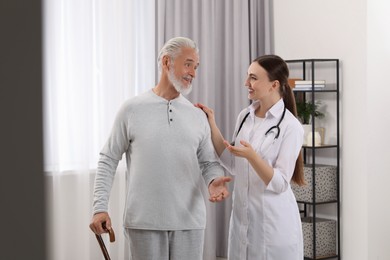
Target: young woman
[{"x": 264, "y": 157}]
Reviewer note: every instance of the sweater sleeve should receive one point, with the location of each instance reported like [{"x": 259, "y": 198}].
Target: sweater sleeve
[
  {"x": 111, "y": 154},
  {"x": 103, "y": 183}
]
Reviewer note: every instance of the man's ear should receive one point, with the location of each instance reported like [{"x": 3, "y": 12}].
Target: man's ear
[{"x": 166, "y": 61}]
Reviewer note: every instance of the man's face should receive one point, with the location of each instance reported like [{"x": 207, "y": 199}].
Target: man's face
[{"x": 183, "y": 70}]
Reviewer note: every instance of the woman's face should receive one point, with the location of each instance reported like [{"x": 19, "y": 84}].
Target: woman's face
[{"x": 258, "y": 84}]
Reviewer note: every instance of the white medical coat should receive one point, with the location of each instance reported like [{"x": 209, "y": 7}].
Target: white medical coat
[{"x": 265, "y": 222}]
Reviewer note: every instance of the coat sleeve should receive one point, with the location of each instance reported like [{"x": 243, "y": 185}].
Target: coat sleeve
[{"x": 285, "y": 162}]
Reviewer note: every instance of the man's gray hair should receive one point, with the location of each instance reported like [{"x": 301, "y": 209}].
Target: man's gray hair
[{"x": 172, "y": 48}]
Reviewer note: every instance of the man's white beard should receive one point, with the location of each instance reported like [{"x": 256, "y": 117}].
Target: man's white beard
[{"x": 177, "y": 84}]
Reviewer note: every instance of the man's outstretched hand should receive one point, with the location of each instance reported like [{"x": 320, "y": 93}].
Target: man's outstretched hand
[{"x": 218, "y": 190}]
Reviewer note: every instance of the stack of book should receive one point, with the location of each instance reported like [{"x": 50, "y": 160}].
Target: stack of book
[{"x": 308, "y": 84}]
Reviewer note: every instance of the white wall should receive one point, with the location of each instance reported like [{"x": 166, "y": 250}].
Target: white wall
[
  {"x": 357, "y": 33},
  {"x": 378, "y": 56}
]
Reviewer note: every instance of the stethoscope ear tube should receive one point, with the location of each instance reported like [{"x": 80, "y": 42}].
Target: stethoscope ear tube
[
  {"x": 269, "y": 130},
  {"x": 277, "y": 126}
]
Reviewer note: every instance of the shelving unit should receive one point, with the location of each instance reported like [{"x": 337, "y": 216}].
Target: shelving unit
[{"x": 320, "y": 208}]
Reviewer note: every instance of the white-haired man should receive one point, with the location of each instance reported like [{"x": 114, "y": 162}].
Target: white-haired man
[{"x": 168, "y": 150}]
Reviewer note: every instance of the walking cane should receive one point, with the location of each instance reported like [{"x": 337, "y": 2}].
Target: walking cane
[{"x": 101, "y": 242}]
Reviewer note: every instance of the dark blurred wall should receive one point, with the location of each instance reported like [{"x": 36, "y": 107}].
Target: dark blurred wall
[{"x": 22, "y": 213}]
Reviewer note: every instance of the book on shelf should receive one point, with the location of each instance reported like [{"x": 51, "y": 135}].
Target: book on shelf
[{"x": 308, "y": 84}]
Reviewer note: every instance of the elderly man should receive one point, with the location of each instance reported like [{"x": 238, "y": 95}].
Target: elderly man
[{"x": 168, "y": 150}]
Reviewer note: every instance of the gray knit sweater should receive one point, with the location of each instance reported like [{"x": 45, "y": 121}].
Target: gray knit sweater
[{"x": 168, "y": 149}]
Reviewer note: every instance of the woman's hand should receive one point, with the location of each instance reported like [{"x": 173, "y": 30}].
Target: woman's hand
[
  {"x": 208, "y": 111},
  {"x": 261, "y": 167},
  {"x": 244, "y": 151}
]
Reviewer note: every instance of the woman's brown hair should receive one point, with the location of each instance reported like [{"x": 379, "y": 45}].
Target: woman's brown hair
[{"x": 277, "y": 69}]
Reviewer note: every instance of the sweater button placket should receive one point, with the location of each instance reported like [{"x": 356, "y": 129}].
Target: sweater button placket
[{"x": 170, "y": 112}]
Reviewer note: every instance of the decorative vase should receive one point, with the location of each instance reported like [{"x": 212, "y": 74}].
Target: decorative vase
[
  {"x": 321, "y": 130},
  {"x": 317, "y": 139},
  {"x": 306, "y": 130}
]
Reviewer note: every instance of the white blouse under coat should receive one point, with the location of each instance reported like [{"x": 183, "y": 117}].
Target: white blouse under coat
[{"x": 265, "y": 222}]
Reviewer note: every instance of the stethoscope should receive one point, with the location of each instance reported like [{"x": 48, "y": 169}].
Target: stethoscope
[{"x": 269, "y": 130}]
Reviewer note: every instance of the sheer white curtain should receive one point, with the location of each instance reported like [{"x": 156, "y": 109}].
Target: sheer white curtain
[{"x": 97, "y": 54}]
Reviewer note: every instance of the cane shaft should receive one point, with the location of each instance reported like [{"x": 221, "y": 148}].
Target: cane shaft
[{"x": 103, "y": 247}]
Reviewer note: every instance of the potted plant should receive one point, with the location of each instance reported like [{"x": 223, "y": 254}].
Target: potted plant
[{"x": 305, "y": 111}]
